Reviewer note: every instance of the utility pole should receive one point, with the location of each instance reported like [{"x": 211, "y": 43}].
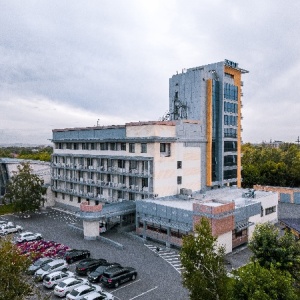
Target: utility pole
[{"x": 298, "y": 141}]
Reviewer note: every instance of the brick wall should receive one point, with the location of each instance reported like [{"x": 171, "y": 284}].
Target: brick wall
[
  {"x": 84, "y": 206},
  {"x": 279, "y": 190},
  {"x": 219, "y": 224}
]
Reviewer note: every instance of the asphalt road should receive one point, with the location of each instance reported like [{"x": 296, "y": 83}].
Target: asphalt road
[{"x": 157, "y": 279}]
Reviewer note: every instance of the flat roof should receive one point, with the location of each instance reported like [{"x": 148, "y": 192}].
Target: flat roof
[{"x": 213, "y": 198}]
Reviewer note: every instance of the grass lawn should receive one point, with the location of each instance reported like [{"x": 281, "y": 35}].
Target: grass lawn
[{"x": 6, "y": 209}]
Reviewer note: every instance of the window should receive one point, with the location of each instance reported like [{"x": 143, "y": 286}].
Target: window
[
  {"x": 69, "y": 146},
  {"x": 113, "y": 146},
  {"x": 79, "y": 200},
  {"x": 75, "y": 146},
  {"x": 55, "y": 193},
  {"x": 123, "y": 146},
  {"x": 71, "y": 197},
  {"x": 143, "y": 148},
  {"x": 270, "y": 210},
  {"x": 179, "y": 180},
  {"x": 179, "y": 164},
  {"x": 103, "y": 146},
  {"x": 131, "y": 147},
  {"x": 63, "y": 196},
  {"x": 92, "y": 146},
  {"x": 162, "y": 147},
  {"x": 165, "y": 149}
]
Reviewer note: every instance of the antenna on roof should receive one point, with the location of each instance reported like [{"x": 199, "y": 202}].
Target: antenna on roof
[{"x": 98, "y": 122}]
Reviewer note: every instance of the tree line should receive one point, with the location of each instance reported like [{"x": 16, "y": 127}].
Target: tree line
[
  {"x": 273, "y": 272},
  {"x": 34, "y": 153},
  {"x": 265, "y": 165}
]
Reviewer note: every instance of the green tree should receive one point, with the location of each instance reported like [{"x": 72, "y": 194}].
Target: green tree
[
  {"x": 25, "y": 190},
  {"x": 13, "y": 284},
  {"x": 254, "y": 282},
  {"x": 204, "y": 272},
  {"x": 272, "y": 249}
]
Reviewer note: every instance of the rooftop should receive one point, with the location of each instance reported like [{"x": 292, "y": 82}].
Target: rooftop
[{"x": 214, "y": 198}]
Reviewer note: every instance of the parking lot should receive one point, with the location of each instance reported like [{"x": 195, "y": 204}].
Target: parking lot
[{"x": 158, "y": 275}]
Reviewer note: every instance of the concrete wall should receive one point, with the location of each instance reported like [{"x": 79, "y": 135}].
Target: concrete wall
[
  {"x": 268, "y": 201},
  {"x": 225, "y": 240}
]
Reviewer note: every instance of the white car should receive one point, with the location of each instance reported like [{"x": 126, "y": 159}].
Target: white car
[
  {"x": 83, "y": 291},
  {"x": 28, "y": 236},
  {"x": 67, "y": 285},
  {"x": 99, "y": 296},
  {"x": 52, "y": 279},
  {"x": 55, "y": 265},
  {"x": 10, "y": 228}
]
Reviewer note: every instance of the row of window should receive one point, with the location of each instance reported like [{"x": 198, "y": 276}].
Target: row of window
[
  {"x": 101, "y": 146},
  {"x": 230, "y": 120},
  {"x": 230, "y": 132},
  {"x": 230, "y": 107},
  {"x": 164, "y": 147},
  {"x": 230, "y": 146},
  {"x": 230, "y": 92}
]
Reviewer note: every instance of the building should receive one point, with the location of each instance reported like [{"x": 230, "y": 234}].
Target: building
[
  {"x": 212, "y": 94},
  {"x": 136, "y": 161},
  {"x": 10, "y": 165},
  {"x": 232, "y": 212},
  {"x": 162, "y": 176}
]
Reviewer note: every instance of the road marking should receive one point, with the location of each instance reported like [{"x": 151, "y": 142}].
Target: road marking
[
  {"x": 170, "y": 257},
  {"x": 124, "y": 286},
  {"x": 144, "y": 293}
]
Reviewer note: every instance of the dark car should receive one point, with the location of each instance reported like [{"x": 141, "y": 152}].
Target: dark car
[
  {"x": 74, "y": 255},
  {"x": 115, "y": 276},
  {"x": 38, "y": 264},
  {"x": 89, "y": 265},
  {"x": 96, "y": 275}
]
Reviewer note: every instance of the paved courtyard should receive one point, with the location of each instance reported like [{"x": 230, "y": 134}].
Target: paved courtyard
[{"x": 158, "y": 275}]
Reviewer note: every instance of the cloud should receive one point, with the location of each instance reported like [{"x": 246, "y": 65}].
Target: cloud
[{"x": 113, "y": 59}]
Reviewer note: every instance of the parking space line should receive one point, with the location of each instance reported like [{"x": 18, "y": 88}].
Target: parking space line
[
  {"x": 144, "y": 293},
  {"x": 124, "y": 286}
]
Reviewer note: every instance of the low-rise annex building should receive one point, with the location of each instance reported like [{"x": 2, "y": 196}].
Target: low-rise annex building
[
  {"x": 232, "y": 212},
  {"x": 41, "y": 168}
]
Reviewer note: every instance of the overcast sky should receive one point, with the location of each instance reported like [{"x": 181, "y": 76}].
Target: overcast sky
[{"x": 71, "y": 63}]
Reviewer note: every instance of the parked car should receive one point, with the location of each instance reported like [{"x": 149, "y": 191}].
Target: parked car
[
  {"x": 82, "y": 291},
  {"x": 118, "y": 275},
  {"x": 74, "y": 255},
  {"x": 95, "y": 276},
  {"x": 89, "y": 265},
  {"x": 67, "y": 285},
  {"x": 38, "y": 264},
  {"x": 99, "y": 296},
  {"x": 10, "y": 229},
  {"x": 55, "y": 265},
  {"x": 28, "y": 236},
  {"x": 52, "y": 279}
]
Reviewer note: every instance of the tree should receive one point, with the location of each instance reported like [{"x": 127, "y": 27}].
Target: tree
[
  {"x": 13, "y": 283},
  {"x": 254, "y": 282},
  {"x": 204, "y": 272},
  {"x": 270, "y": 249},
  {"x": 25, "y": 190}
]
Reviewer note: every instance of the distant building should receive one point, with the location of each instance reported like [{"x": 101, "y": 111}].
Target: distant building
[{"x": 10, "y": 165}]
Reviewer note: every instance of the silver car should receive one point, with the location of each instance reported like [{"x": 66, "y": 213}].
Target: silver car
[
  {"x": 52, "y": 279},
  {"x": 55, "y": 265},
  {"x": 82, "y": 291},
  {"x": 67, "y": 285}
]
